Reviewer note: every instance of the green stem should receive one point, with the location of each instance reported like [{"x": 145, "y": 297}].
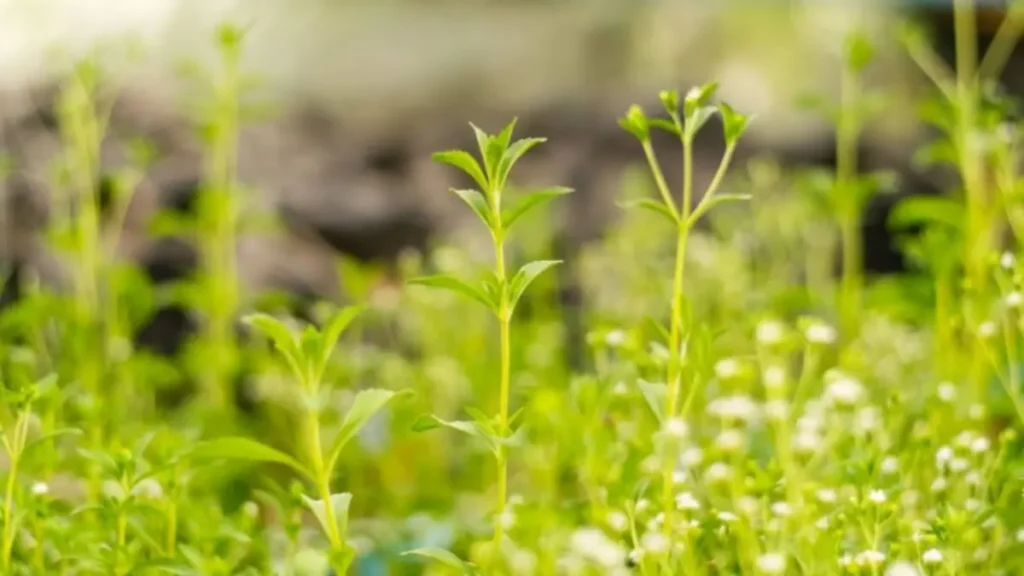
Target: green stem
[
  {"x": 847, "y": 133},
  {"x": 504, "y": 319}
]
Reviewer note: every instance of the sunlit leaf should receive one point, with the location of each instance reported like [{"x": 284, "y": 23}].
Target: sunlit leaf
[
  {"x": 465, "y": 162},
  {"x": 525, "y": 276},
  {"x": 366, "y": 404},
  {"x": 239, "y": 448},
  {"x": 530, "y": 201},
  {"x": 455, "y": 285}
]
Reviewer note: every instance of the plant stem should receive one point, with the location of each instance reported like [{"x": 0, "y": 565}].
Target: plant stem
[
  {"x": 14, "y": 448},
  {"x": 504, "y": 320},
  {"x": 847, "y": 133}
]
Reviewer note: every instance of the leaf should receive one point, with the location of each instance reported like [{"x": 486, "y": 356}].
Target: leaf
[
  {"x": 921, "y": 210},
  {"x": 465, "y": 162},
  {"x": 334, "y": 328},
  {"x": 858, "y": 52},
  {"x": 654, "y": 394},
  {"x": 665, "y": 125},
  {"x": 697, "y": 98},
  {"x": 478, "y": 203},
  {"x": 658, "y": 208},
  {"x": 670, "y": 100},
  {"x": 696, "y": 121},
  {"x": 431, "y": 422},
  {"x": 443, "y": 556},
  {"x": 366, "y": 404},
  {"x": 339, "y": 506},
  {"x": 280, "y": 335},
  {"x": 240, "y": 448},
  {"x": 635, "y": 122},
  {"x": 734, "y": 124},
  {"x": 530, "y": 201},
  {"x": 715, "y": 200},
  {"x": 512, "y": 155},
  {"x": 454, "y": 284},
  {"x": 525, "y": 276},
  {"x": 50, "y": 436}
]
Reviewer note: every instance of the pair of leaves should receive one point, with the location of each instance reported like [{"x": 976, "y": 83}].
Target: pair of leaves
[
  {"x": 664, "y": 211},
  {"x": 366, "y": 404},
  {"x": 488, "y": 293},
  {"x": 307, "y": 354},
  {"x": 445, "y": 557},
  {"x": 696, "y": 112},
  {"x": 339, "y": 504},
  {"x": 481, "y": 427},
  {"x": 475, "y": 200}
]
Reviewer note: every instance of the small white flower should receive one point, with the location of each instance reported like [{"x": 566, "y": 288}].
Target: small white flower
[
  {"x": 40, "y": 488},
  {"x": 748, "y": 505},
  {"x": 770, "y": 332},
  {"x": 777, "y": 410},
  {"x": 739, "y": 407},
  {"x": 827, "y": 495},
  {"x": 987, "y": 329},
  {"x": 844, "y": 391},
  {"x": 845, "y": 560},
  {"x": 730, "y": 440},
  {"x": 618, "y": 521},
  {"x": 973, "y": 478},
  {"x": 620, "y": 388},
  {"x": 947, "y": 391},
  {"x": 771, "y": 563},
  {"x": 870, "y": 558},
  {"x": 774, "y": 378},
  {"x": 717, "y": 472},
  {"x": 890, "y": 465},
  {"x": 679, "y": 477},
  {"x": 931, "y": 556},
  {"x": 943, "y": 456},
  {"x": 643, "y": 505},
  {"x": 807, "y": 441},
  {"x": 939, "y": 484},
  {"x": 1014, "y": 299},
  {"x": 615, "y": 338},
  {"x": 910, "y": 498},
  {"x": 868, "y": 419},
  {"x": 726, "y": 516},
  {"x": 692, "y": 457},
  {"x": 959, "y": 465},
  {"x": 822, "y": 523},
  {"x": 727, "y": 368},
  {"x": 976, "y": 411},
  {"x": 654, "y": 542},
  {"x": 972, "y": 504},
  {"x": 782, "y": 509},
  {"x": 677, "y": 428},
  {"x": 820, "y": 333},
  {"x": 1020, "y": 535},
  {"x": 686, "y": 501},
  {"x": 902, "y": 568},
  {"x": 594, "y": 545},
  {"x": 636, "y": 556},
  {"x": 980, "y": 444},
  {"x": 1007, "y": 260},
  {"x": 877, "y": 496}
]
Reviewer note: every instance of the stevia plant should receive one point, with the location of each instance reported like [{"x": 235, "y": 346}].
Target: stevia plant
[
  {"x": 307, "y": 357},
  {"x": 499, "y": 292},
  {"x": 697, "y": 110}
]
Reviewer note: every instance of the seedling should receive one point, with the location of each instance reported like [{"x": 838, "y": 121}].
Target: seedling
[
  {"x": 307, "y": 357},
  {"x": 499, "y": 292},
  {"x": 697, "y": 110}
]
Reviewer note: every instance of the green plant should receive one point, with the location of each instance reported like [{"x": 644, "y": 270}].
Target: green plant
[
  {"x": 696, "y": 112},
  {"x": 307, "y": 357},
  {"x": 499, "y": 291}
]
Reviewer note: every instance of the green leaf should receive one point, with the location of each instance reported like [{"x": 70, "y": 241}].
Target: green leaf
[
  {"x": 239, "y": 448},
  {"x": 697, "y": 98},
  {"x": 670, "y": 100},
  {"x": 512, "y": 155},
  {"x": 465, "y": 162},
  {"x": 50, "y": 436},
  {"x": 654, "y": 394},
  {"x": 475, "y": 200},
  {"x": 665, "y": 125},
  {"x": 454, "y": 284},
  {"x": 858, "y": 52},
  {"x": 311, "y": 345},
  {"x": 734, "y": 124},
  {"x": 525, "y": 276},
  {"x": 715, "y": 200},
  {"x": 430, "y": 422},
  {"x": 283, "y": 339},
  {"x": 697, "y": 120},
  {"x": 505, "y": 137},
  {"x": 444, "y": 557},
  {"x": 635, "y": 122},
  {"x": 923, "y": 210},
  {"x": 483, "y": 141},
  {"x": 658, "y": 208},
  {"x": 339, "y": 505},
  {"x": 530, "y": 201},
  {"x": 366, "y": 404},
  {"x": 334, "y": 328}
]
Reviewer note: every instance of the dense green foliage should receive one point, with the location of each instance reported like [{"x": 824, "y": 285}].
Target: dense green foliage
[{"x": 744, "y": 409}]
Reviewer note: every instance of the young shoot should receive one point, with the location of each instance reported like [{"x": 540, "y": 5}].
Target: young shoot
[
  {"x": 499, "y": 292},
  {"x": 697, "y": 110}
]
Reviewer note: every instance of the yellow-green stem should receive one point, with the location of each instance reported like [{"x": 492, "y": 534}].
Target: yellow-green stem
[
  {"x": 505, "y": 318},
  {"x": 8, "y": 542},
  {"x": 172, "y": 530}
]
